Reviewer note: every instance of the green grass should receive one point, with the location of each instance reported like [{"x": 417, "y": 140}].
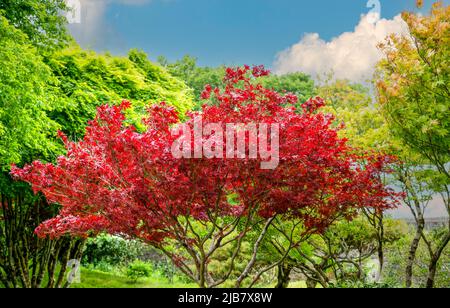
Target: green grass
[
  {"x": 97, "y": 279},
  {"x": 297, "y": 285}
]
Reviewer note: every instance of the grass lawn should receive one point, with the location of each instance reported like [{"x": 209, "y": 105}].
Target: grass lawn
[
  {"x": 297, "y": 285},
  {"x": 98, "y": 279}
]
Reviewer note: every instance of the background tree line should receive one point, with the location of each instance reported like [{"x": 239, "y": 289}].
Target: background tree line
[{"x": 48, "y": 83}]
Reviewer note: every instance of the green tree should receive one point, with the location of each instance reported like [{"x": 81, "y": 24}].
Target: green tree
[
  {"x": 300, "y": 84},
  {"x": 197, "y": 77},
  {"x": 37, "y": 97},
  {"x": 365, "y": 128},
  {"x": 413, "y": 91},
  {"x": 398, "y": 257},
  {"x": 334, "y": 256},
  {"x": 353, "y": 104},
  {"x": 413, "y": 85},
  {"x": 194, "y": 76},
  {"x": 88, "y": 80},
  {"x": 28, "y": 93},
  {"x": 41, "y": 20}
]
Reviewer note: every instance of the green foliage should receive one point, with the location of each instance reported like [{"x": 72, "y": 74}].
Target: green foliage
[
  {"x": 197, "y": 77},
  {"x": 194, "y": 76},
  {"x": 166, "y": 269},
  {"x": 112, "y": 250},
  {"x": 40, "y": 20},
  {"x": 300, "y": 84},
  {"x": 138, "y": 269},
  {"x": 27, "y": 96},
  {"x": 38, "y": 98},
  {"x": 352, "y": 104},
  {"x": 220, "y": 264},
  {"x": 44, "y": 89},
  {"x": 360, "y": 235},
  {"x": 88, "y": 80},
  {"x": 413, "y": 85},
  {"x": 397, "y": 256},
  {"x": 116, "y": 255},
  {"x": 337, "y": 256}
]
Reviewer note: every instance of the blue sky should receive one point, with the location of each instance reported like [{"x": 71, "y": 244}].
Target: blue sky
[{"x": 219, "y": 31}]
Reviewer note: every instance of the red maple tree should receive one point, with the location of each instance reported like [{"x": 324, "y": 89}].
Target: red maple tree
[{"x": 121, "y": 181}]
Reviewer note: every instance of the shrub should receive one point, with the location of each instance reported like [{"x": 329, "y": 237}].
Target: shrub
[
  {"x": 111, "y": 250},
  {"x": 138, "y": 269},
  {"x": 397, "y": 256}
]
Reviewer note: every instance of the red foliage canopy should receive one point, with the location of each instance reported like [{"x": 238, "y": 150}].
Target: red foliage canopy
[{"x": 123, "y": 181}]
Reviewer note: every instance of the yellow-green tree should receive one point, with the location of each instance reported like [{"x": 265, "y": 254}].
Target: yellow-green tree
[
  {"x": 413, "y": 92},
  {"x": 39, "y": 96},
  {"x": 413, "y": 85},
  {"x": 42, "y": 21},
  {"x": 366, "y": 130}
]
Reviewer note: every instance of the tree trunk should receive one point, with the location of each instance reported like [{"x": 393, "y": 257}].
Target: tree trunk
[
  {"x": 376, "y": 220},
  {"x": 284, "y": 272},
  {"x": 431, "y": 273},
  {"x": 25, "y": 259},
  {"x": 311, "y": 283},
  {"x": 434, "y": 261},
  {"x": 380, "y": 247},
  {"x": 381, "y": 261},
  {"x": 412, "y": 252}
]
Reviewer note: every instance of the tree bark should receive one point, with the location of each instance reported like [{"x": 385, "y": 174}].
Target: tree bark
[
  {"x": 311, "y": 283},
  {"x": 431, "y": 273},
  {"x": 434, "y": 261},
  {"x": 412, "y": 252},
  {"x": 380, "y": 246},
  {"x": 284, "y": 272},
  {"x": 25, "y": 259}
]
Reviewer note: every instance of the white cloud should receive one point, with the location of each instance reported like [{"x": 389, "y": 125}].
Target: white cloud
[{"x": 352, "y": 55}]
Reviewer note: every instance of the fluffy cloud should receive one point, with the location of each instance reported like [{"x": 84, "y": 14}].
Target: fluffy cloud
[{"x": 352, "y": 55}]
